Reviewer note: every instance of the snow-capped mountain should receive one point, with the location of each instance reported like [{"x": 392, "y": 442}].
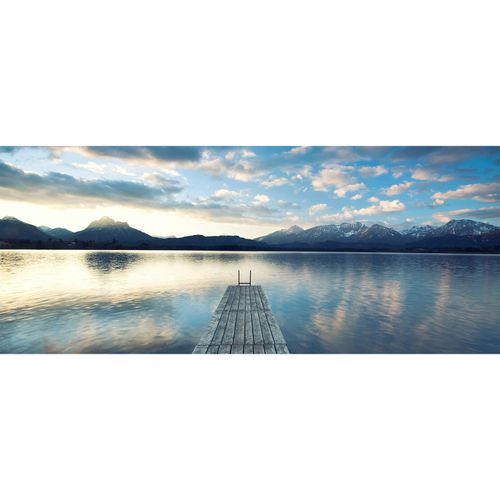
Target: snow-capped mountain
[
  {"x": 316, "y": 234},
  {"x": 333, "y": 232},
  {"x": 456, "y": 235},
  {"x": 379, "y": 234},
  {"x": 418, "y": 232},
  {"x": 283, "y": 235},
  {"x": 463, "y": 227}
]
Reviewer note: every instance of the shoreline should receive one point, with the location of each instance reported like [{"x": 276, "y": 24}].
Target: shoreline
[{"x": 265, "y": 251}]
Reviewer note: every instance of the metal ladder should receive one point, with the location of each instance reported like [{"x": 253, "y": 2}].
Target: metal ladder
[{"x": 249, "y": 282}]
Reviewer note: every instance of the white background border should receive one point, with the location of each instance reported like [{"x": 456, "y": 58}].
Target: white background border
[{"x": 254, "y": 73}]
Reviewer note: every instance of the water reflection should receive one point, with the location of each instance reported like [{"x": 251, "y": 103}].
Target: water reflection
[
  {"x": 106, "y": 262},
  {"x": 78, "y": 301}
]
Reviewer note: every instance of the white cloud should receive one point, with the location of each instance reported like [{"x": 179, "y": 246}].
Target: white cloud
[
  {"x": 389, "y": 206},
  {"x": 357, "y": 197},
  {"x": 261, "y": 199},
  {"x": 332, "y": 175},
  {"x": 429, "y": 174},
  {"x": 241, "y": 169},
  {"x": 343, "y": 190},
  {"x": 438, "y": 202},
  {"x": 298, "y": 150},
  {"x": 340, "y": 177},
  {"x": 397, "y": 172},
  {"x": 225, "y": 194},
  {"x": 396, "y": 189},
  {"x": 156, "y": 179},
  {"x": 276, "y": 182},
  {"x": 230, "y": 156},
  {"x": 306, "y": 171},
  {"x": 484, "y": 213},
  {"x": 91, "y": 166},
  {"x": 349, "y": 213},
  {"x": 372, "y": 171},
  {"x": 303, "y": 173},
  {"x": 489, "y": 192},
  {"x": 373, "y": 199},
  {"x": 288, "y": 204},
  {"x": 314, "y": 209},
  {"x": 248, "y": 154}
]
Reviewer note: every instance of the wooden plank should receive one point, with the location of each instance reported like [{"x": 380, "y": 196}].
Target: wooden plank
[
  {"x": 271, "y": 320},
  {"x": 207, "y": 337},
  {"x": 239, "y": 329},
  {"x": 257, "y": 331},
  {"x": 269, "y": 348},
  {"x": 248, "y": 317},
  {"x": 265, "y": 303},
  {"x": 200, "y": 349},
  {"x": 236, "y": 290},
  {"x": 223, "y": 301},
  {"x": 243, "y": 323},
  {"x": 281, "y": 349},
  {"x": 264, "y": 325},
  {"x": 221, "y": 327},
  {"x": 231, "y": 322},
  {"x": 275, "y": 329},
  {"x": 237, "y": 349}
]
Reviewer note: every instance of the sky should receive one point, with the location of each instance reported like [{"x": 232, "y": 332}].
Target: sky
[{"x": 249, "y": 191}]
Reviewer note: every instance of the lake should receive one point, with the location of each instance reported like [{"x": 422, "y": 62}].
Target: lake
[{"x": 161, "y": 302}]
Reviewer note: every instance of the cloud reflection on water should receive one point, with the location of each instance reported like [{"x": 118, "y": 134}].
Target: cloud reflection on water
[{"x": 77, "y": 301}]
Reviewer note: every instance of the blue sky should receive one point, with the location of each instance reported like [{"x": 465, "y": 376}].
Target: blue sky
[{"x": 248, "y": 190}]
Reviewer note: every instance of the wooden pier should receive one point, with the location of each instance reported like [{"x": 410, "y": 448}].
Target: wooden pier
[{"x": 243, "y": 323}]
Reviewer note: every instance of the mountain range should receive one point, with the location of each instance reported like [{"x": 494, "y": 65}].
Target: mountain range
[
  {"x": 455, "y": 235},
  {"x": 108, "y": 234}
]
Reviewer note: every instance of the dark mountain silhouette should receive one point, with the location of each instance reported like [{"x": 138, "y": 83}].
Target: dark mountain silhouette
[
  {"x": 456, "y": 234},
  {"x": 14, "y": 229},
  {"x": 57, "y": 232},
  {"x": 106, "y": 233},
  {"x": 491, "y": 237},
  {"x": 201, "y": 242},
  {"x": 108, "y": 230}
]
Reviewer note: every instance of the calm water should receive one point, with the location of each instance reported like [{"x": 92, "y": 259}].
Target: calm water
[{"x": 160, "y": 302}]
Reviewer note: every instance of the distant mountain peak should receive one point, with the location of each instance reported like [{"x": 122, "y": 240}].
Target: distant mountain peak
[
  {"x": 106, "y": 222},
  {"x": 57, "y": 232},
  {"x": 462, "y": 227},
  {"x": 417, "y": 232},
  {"x": 107, "y": 229},
  {"x": 293, "y": 230},
  {"x": 14, "y": 229}
]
